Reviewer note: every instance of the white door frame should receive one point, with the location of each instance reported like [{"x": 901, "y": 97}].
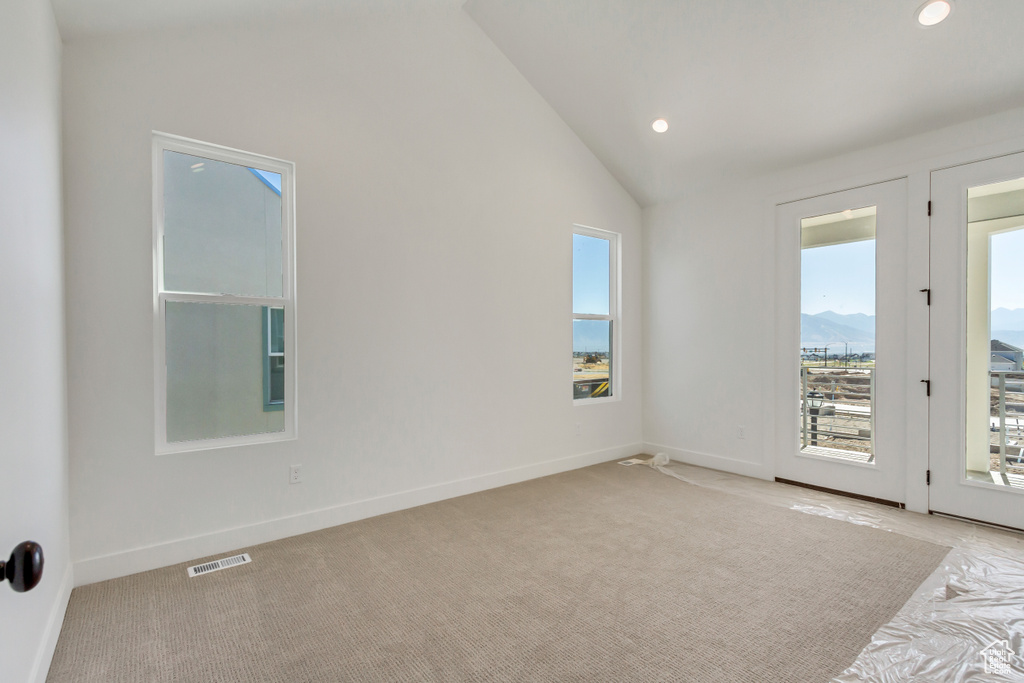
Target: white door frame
[
  {"x": 884, "y": 479},
  {"x": 950, "y": 491}
]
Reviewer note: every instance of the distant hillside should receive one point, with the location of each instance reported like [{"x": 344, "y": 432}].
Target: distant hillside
[
  {"x": 859, "y": 329},
  {"x": 859, "y": 321},
  {"x": 1007, "y": 319},
  {"x": 590, "y": 335},
  {"x": 832, "y": 328},
  {"x": 1011, "y": 337}
]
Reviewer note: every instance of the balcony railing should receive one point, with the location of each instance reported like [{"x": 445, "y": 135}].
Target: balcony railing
[
  {"x": 1006, "y": 421},
  {"x": 843, "y": 426}
]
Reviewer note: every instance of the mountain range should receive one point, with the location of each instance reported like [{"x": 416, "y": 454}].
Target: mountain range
[
  {"x": 855, "y": 331},
  {"x": 1008, "y": 319},
  {"x": 858, "y": 329}
]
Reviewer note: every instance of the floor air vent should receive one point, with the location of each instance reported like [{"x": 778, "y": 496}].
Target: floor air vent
[{"x": 217, "y": 565}]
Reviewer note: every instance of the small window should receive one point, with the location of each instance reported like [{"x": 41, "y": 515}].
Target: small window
[
  {"x": 223, "y": 301},
  {"x": 595, "y": 260}
]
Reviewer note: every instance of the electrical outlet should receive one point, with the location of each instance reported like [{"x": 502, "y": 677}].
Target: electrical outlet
[
  {"x": 741, "y": 432},
  {"x": 295, "y": 474},
  {"x": 578, "y": 432}
]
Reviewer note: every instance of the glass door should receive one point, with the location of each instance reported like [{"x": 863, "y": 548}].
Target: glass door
[
  {"x": 976, "y": 452},
  {"x": 841, "y": 341}
]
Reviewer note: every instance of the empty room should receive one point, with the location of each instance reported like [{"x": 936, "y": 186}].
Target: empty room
[{"x": 511, "y": 340}]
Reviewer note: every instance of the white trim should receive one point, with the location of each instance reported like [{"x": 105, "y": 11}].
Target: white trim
[
  {"x": 192, "y": 297},
  {"x": 287, "y": 300},
  {"x": 992, "y": 486},
  {"x": 93, "y": 569},
  {"x": 951, "y": 492},
  {"x": 722, "y": 463},
  {"x": 837, "y": 459},
  {"x": 614, "y": 310},
  {"x": 886, "y": 477},
  {"x": 44, "y": 656}
]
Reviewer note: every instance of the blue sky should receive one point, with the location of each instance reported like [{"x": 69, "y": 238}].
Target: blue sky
[
  {"x": 839, "y": 277},
  {"x": 1007, "y": 269},
  {"x": 591, "y": 335},
  {"x": 271, "y": 179},
  {"x": 589, "y": 275}
]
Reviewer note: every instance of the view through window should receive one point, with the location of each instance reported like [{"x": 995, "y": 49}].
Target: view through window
[
  {"x": 594, "y": 267},
  {"x": 223, "y": 298},
  {"x": 995, "y": 333},
  {"x": 837, "y": 334}
]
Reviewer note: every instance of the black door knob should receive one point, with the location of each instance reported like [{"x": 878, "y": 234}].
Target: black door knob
[{"x": 24, "y": 568}]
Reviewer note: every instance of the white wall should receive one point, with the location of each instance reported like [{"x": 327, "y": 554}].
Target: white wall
[
  {"x": 33, "y": 454},
  {"x": 710, "y": 283},
  {"x": 436, "y": 196}
]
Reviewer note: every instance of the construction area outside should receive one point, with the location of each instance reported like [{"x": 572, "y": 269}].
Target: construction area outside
[
  {"x": 836, "y": 408},
  {"x": 1006, "y": 429},
  {"x": 591, "y": 374},
  {"x": 837, "y": 416}
]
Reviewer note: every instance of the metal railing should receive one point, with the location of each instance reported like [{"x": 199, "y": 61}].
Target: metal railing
[
  {"x": 845, "y": 418},
  {"x": 1006, "y": 417},
  {"x": 840, "y": 415}
]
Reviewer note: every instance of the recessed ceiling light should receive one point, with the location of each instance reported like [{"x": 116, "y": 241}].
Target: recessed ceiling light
[
  {"x": 934, "y": 12},
  {"x": 659, "y": 125}
]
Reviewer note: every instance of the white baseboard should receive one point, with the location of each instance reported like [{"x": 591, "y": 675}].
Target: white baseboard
[
  {"x": 112, "y": 566},
  {"x": 41, "y": 667},
  {"x": 714, "y": 462}
]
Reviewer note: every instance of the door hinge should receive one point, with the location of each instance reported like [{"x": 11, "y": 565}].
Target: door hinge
[
  {"x": 929, "y": 207},
  {"x": 928, "y": 478},
  {"x": 927, "y": 387},
  {"x": 927, "y": 291}
]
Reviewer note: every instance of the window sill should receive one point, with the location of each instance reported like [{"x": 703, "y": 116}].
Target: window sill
[{"x": 226, "y": 442}]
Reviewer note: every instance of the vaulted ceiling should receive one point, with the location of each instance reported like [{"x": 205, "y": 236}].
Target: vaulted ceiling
[{"x": 748, "y": 86}]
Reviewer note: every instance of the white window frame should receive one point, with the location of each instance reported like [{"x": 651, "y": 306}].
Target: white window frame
[
  {"x": 174, "y": 143},
  {"x": 614, "y": 307}
]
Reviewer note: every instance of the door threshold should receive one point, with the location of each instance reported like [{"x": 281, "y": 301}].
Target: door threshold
[
  {"x": 1001, "y": 527},
  {"x": 847, "y": 494}
]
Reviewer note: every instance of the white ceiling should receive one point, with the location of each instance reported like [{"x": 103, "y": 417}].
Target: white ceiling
[
  {"x": 748, "y": 86},
  {"x": 79, "y": 18}
]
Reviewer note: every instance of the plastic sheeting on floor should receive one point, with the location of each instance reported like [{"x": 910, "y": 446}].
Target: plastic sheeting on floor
[{"x": 965, "y": 623}]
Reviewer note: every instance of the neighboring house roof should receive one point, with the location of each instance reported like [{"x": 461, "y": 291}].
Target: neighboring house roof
[
  {"x": 996, "y": 359},
  {"x": 1003, "y": 346}
]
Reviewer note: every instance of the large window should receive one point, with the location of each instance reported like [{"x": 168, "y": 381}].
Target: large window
[
  {"x": 837, "y": 334},
  {"x": 595, "y": 267},
  {"x": 224, "y": 297}
]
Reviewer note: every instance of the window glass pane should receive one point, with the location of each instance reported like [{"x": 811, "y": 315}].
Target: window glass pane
[
  {"x": 277, "y": 379},
  {"x": 837, "y": 333},
  {"x": 222, "y": 227},
  {"x": 591, "y": 358},
  {"x": 995, "y": 333},
  {"x": 590, "y": 269},
  {"x": 277, "y": 330},
  {"x": 215, "y": 359}
]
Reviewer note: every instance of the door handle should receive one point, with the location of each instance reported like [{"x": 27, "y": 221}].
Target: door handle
[{"x": 24, "y": 568}]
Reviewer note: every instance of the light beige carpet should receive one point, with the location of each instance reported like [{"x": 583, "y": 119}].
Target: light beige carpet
[{"x": 608, "y": 573}]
